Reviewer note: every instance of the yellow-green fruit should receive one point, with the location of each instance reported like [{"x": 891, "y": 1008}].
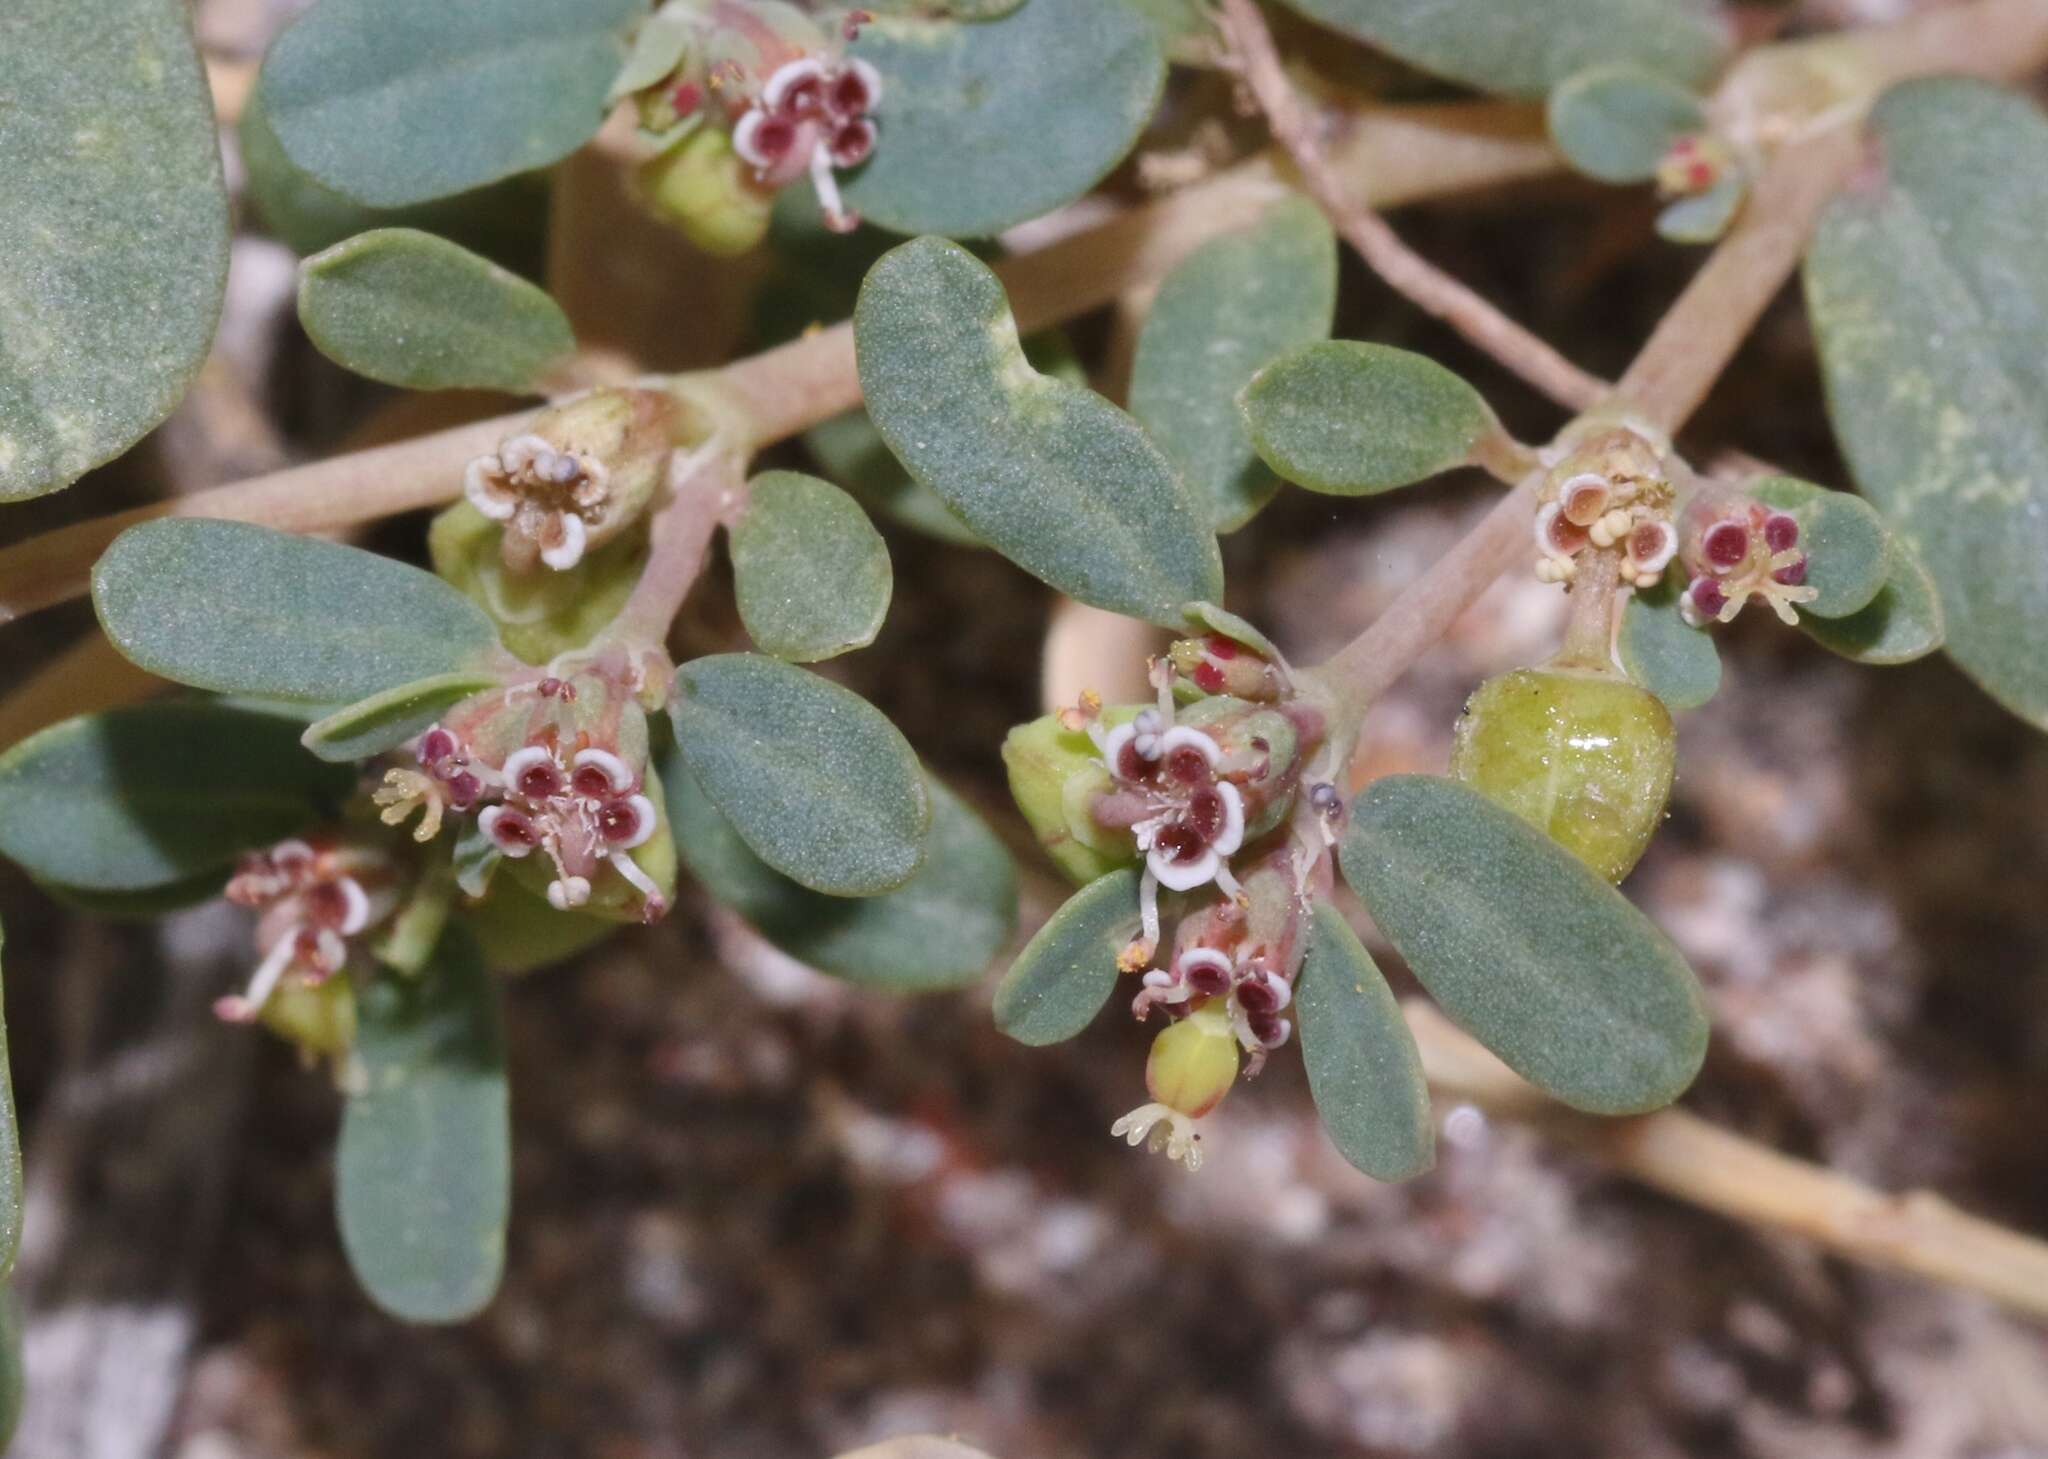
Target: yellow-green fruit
[
  {"x": 704, "y": 188},
  {"x": 1055, "y": 775},
  {"x": 318, "y": 1017},
  {"x": 1194, "y": 1062},
  {"x": 1584, "y": 756}
]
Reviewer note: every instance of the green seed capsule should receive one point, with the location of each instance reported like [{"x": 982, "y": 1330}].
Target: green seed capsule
[
  {"x": 1055, "y": 776},
  {"x": 1585, "y": 756}
]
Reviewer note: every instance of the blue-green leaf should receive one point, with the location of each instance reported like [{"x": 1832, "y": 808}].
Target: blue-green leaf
[
  {"x": 1525, "y": 47},
  {"x": 1352, "y": 419},
  {"x": 1048, "y": 473},
  {"x": 940, "y": 929},
  {"x": 1928, "y": 286},
  {"x": 810, "y": 571},
  {"x": 410, "y": 309},
  {"x": 114, "y": 231},
  {"x": 423, "y": 1173},
  {"x": 1524, "y": 947},
  {"x": 158, "y": 796},
  {"x": 245, "y": 610},
  {"x": 1615, "y": 123},
  {"x": 1902, "y": 623},
  {"x": 989, "y": 123},
  {"x": 1231, "y": 306},
  {"x": 1363, "y": 1067},
  {"x": 394, "y": 101},
  {"x": 1662, "y": 652},
  {"x": 817, "y": 781},
  {"x": 386, "y": 721},
  {"x": 1065, "y": 974}
]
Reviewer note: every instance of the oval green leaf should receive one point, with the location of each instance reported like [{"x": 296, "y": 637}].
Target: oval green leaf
[
  {"x": 241, "y": 609},
  {"x": 1615, "y": 123},
  {"x": 1902, "y": 623},
  {"x": 1351, "y": 419},
  {"x": 1533, "y": 954},
  {"x": 1363, "y": 1067},
  {"x": 411, "y": 309},
  {"x": 140, "y": 799},
  {"x": 394, "y": 102},
  {"x": 1231, "y": 306},
  {"x": 810, "y": 571},
  {"x": 1847, "y": 545},
  {"x": 1662, "y": 652},
  {"x": 989, "y": 123},
  {"x": 940, "y": 929},
  {"x": 1525, "y": 47},
  {"x": 386, "y": 721},
  {"x": 115, "y": 231},
  {"x": 1928, "y": 287},
  {"x": 812, "y": 776},
  {"x": 1065, "y": 974},
  {"x": 1048, "y": 473},
  {"x": 423, "y": 1173}
]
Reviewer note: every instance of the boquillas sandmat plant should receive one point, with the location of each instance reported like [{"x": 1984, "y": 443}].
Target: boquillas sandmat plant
[{"x": 415, "y": 779}]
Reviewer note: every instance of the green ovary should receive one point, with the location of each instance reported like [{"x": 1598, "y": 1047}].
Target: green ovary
[{"x": 1586, "y": 757}]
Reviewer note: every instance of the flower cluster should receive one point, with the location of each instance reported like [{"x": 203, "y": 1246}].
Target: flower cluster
[
  {"x": 555, "y": 767},
  {"x": 1694, "y": 164},
  {"x": 1612, "y": 499},
  {"x": 1214, "y": 664},
  {"x": 546, "y": 498},
  {"x": 586, "y": 471},
  {"x": 1226, "y": 988},
  {"x": 1166, "y": 788},
  {"x": 1734, "y": 548},
  {"x": 777, "y": 82},
  {"x": 313, "y": 896},
  {"x": 446, "y": 780},
  {"x": 583, "y": 809}
]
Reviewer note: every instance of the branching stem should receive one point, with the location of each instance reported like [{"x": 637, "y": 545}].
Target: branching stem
[{"x": 1429, "y": 287}]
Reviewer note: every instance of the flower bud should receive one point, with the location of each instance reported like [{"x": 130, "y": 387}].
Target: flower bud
[
  {"x": 1585, "y": 756},
  {"x": 705, "y": 189},
  {"x": 1193, "y": 1062},
  {"x": 1215, "y": 664}
]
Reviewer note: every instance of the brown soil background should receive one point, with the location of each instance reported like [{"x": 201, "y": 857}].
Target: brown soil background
[{"x": 759, "y": 1215}]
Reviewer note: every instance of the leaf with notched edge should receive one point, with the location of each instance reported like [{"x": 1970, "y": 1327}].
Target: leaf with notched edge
[{"x": 1048, "y": 473}]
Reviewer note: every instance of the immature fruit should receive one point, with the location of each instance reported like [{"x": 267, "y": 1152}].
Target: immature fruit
[
  {"x": 318, "y": 1017},
  {"x": 1055, "y": 776},
  {"x": 707, "y": 191},
  {"x": 1585, "y": 756},
  {"x": 1194, "y": 1061}
]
